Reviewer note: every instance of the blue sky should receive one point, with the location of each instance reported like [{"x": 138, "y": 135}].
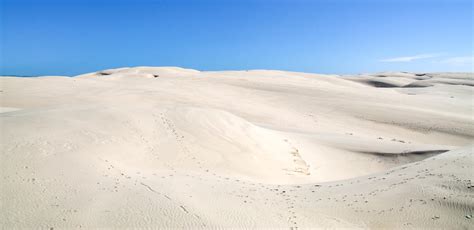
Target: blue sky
[{"x": 46, "y": 37}]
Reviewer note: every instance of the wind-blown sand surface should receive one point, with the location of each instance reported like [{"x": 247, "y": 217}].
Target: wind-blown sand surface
[{"x": 170, "y": 147}]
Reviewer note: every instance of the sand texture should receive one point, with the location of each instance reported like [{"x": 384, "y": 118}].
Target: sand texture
[{"x": 166, "y": 147}]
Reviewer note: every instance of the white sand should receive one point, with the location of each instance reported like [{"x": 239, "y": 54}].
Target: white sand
[{"x": 170, "y": 147}]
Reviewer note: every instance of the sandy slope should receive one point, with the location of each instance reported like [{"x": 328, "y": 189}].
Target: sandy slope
[{"x": 171, "y": 147}]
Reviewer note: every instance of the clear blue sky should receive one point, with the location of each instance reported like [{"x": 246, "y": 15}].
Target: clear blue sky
[{"x": 68, "y": 37}]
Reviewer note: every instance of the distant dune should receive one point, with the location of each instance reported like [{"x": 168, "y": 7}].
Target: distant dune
[{"x": 167, "y": 147}]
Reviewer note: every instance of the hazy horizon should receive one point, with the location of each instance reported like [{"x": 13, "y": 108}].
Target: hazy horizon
[{"x": 224, "y": 70}]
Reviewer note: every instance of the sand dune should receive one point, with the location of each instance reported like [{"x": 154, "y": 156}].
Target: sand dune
[{"x": 166, "y": 147}]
